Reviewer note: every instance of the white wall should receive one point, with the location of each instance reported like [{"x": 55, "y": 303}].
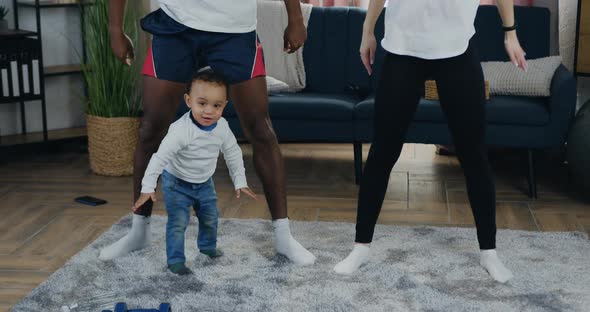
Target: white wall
[
  {"x": 61, "y": 39},
  {"x": 567, "y": 30}
]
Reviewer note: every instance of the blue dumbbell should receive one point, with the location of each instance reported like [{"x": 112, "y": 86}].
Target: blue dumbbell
[{"x": 122, "y": 307}]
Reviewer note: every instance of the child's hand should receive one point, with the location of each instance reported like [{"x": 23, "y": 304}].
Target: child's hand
[
  {"x": 247, "y": 191},
  {"x": 142, "y": 199}
]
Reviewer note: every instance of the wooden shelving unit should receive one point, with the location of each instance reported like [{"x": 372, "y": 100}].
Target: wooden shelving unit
[{"x": 15, "y": 36}]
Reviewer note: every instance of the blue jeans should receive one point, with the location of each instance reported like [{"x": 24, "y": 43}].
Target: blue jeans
[{"x": 179, "y": 195}]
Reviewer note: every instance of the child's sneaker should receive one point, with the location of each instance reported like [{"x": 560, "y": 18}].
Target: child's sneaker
[
  {"x": 212, "y": 253},
  {"x": 179, "y": 268}
]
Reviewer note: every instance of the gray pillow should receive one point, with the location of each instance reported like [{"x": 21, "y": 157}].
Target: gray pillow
[
  {"x": 274, "y": 85},
  {"x": 507, "y": 79}
]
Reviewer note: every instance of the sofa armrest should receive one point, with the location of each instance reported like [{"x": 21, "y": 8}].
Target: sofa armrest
[{"x": 562, "y": 105}]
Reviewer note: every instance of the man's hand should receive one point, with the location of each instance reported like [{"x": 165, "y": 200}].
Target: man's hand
[
  {"x": 142, "y": 199},
  {"x": 122, "y": 47},
  {"x": 295, "y": 35}
]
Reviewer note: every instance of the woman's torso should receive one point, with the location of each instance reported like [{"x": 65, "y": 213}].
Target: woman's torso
[{"x": 429, "y": 29}]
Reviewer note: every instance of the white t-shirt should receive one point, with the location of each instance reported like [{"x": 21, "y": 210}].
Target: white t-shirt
[
  {"x": 190, "y": 154},
  {"x": 226, "y": 16},
  {"x": 429, "y": 29}
]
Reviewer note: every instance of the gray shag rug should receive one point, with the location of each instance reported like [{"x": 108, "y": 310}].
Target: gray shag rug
[{"x": 411, "y": 269}]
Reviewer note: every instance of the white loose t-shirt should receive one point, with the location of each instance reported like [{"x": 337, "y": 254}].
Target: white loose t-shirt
[
  {"x": 429, "y": 29},
  {"x": 226, "y": 16}
]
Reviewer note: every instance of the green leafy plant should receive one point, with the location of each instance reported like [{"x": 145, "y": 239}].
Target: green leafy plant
[
  {"x": 112, "y": 86},
  {"x": 3, "y": 12}
]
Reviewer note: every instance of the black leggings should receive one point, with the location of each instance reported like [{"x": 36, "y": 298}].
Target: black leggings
[{"x": 462, "y": 98}]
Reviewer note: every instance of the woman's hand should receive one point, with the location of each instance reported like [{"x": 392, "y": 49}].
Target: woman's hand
[
  {"x": 367, "y": 50},
  {"x": 515, "y": 52}
]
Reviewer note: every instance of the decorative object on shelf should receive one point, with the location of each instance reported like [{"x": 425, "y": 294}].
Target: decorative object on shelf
[
  {"x": 431, "y": 91},
  {"x": 578, "y": 150},
  {"x": 113, "y": 104},
  {"x": 3, "y": 21},
  {"x": 19, "y": 68}
]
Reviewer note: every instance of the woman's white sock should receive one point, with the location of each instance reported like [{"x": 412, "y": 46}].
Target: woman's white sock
[
  {"x": 357, "y": 257},
  {"x": 492, "y": 264}
]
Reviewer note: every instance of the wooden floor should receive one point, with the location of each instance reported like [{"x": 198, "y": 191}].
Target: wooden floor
[{"x": 41, "y": 227}]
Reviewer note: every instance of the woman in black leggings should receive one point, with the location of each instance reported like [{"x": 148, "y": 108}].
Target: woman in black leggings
[{"x": 425, "y": 38}]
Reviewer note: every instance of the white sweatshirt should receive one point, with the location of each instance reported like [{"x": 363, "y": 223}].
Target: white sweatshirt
[
  {"x": 225, "y": 16},
  {"x": 190, "y": 154},
  {"x": 429, "y": 29}
]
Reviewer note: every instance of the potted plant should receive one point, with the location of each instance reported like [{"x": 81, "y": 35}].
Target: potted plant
[
  {"x": 3, "y": 21},
  {"x": 113, "y": 103}
]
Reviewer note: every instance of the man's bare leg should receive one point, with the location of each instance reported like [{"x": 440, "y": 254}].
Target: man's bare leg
[
  {"x": 251, "y": 102},
  {"x": 160, "y": 102}
]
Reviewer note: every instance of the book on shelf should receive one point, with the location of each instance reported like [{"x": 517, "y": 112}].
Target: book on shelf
[
  {"x": 20, "y": 74},
  {"x": 4, "y": 82}
]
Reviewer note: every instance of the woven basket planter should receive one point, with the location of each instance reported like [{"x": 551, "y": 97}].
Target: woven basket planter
[
  {"x": 431, "y": 92},
  {"x": 111, "y": 144}
]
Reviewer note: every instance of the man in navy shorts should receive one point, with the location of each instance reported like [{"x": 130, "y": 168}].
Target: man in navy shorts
[{"x": 188, "y": 35}]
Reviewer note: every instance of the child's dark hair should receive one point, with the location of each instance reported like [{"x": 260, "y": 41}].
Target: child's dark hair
[{"x": 208, "y": 75}]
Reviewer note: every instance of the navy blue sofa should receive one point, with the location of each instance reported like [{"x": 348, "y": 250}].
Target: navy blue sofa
[{"x": 337, "y": 103}]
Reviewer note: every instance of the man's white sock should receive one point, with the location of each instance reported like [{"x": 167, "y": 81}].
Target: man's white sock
[
  {"x": 286, "y": 245},
  {"x": 138, "y": 238}
]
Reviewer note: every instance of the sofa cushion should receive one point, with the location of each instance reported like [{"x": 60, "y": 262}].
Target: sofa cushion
[
  {"x": 273, "y": 85},
  {"x": 325, "y": 52},
  {"x": 307, "y": 106},
  {"x": 507, "y": 79},
  {"x": 511, "y": 110}
]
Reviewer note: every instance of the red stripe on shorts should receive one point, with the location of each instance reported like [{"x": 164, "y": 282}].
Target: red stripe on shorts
[
  {"x": 149, "y": 69},
  {"x": 258, "y": 68}
]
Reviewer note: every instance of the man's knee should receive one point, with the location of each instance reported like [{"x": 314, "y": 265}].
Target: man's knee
[
  {"x": 259, "y": 131},
  {"x": 151, "y": 132}
]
